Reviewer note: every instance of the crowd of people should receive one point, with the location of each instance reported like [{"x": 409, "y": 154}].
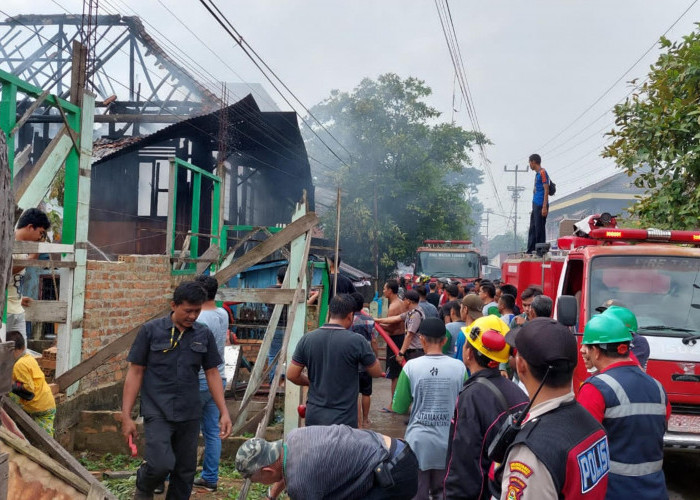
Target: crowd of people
[{"x": 488, "y": 389}]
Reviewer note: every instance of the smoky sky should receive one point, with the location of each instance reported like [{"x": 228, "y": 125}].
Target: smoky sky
[{"x": 533, "y": 66}]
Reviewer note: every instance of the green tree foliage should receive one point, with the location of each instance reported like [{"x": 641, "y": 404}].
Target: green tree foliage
[
  {"x": 397, "y": 148},
  {"x": 658, "y": 137},
  {"x": 505, "y": 243}
]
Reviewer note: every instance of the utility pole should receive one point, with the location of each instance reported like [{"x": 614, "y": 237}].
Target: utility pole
[
  {"x": 515, "y": 190},
  {"x": 487, "y": 245}
]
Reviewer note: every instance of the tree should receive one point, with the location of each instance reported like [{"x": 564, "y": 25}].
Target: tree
[
  {"x": 656, "y": 137},
  {"x": 399, "y": 154},
  {"x": 504, "y": 243}
]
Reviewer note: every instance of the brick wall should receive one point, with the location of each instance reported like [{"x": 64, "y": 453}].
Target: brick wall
[
  {"x": 250, "y": 348},
  {"x": 120, "y": 296}
]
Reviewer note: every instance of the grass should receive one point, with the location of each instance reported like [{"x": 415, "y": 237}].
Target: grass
[
  {"x": 108, "y": 461},
  {"x": 230, "y": 481}
]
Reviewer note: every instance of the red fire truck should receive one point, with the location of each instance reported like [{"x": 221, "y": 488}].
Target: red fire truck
[
  {"x": 654, "y": 273},
  {"x": 454, "y": 259}
]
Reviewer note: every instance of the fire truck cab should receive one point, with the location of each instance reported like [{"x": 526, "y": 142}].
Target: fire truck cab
[
  {"x": 454, "y": 259},
  {"x": 653, "y": 275}
]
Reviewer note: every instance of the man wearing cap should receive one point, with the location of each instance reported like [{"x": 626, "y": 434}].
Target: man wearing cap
[
  {"x": 482, "y": 405},
  {"x": 332, "y": 461},
  {"x": 429, "y": 385},
  {"x": 561, "y": 451},
  {"x": 629, "y": 403},
  {"x": 331, "y": 354},
  {"x": 640, "y": 345},
  {"x": 471, "y": 311}
]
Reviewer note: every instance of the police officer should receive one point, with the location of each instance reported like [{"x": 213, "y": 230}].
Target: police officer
[
  {"x": 482, "y": 405},
  {"x": 560, "y": 451},
  {"x": 630, "y": 404}
]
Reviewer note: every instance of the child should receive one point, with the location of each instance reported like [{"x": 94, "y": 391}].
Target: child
[{"x": 29, "y": 385}]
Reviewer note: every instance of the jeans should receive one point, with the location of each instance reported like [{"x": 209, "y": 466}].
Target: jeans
[
  {"x": 171, "y": 448},
  {"x": 275, "y": 347},
  {"x": 536, "y": 234},
  {"x": 209, "y": 424}
]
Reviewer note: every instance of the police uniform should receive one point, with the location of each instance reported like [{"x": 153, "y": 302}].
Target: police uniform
[
  {"x": 561, "y": 451},
  {"x": 630, "y": 404},
  {"x": 170, "y": 400}
]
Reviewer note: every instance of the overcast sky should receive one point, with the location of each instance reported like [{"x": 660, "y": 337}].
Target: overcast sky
[{"x": 533, "y": 66}]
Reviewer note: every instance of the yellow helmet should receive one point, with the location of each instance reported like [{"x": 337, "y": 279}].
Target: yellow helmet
[{"x": 488, "y": 336}]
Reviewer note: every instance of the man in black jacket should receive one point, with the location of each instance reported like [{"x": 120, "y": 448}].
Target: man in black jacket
[{"x": 482, "y": 405}]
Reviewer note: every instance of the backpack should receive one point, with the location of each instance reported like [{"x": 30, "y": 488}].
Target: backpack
[{"x": 552, "y": 186}]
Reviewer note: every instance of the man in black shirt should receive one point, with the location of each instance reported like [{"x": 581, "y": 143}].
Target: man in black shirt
[
  {"x": 165, "y": 360},
  {"x": 433, "y": 297},
  {"x": 331, "y": 355}
]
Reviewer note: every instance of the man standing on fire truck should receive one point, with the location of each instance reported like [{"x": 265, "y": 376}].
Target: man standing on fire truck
[
  {"x": 540, "y": 204},
  {"x": 629, "y": 403}
]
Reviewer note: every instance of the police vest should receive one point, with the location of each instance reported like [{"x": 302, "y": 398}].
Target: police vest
[
  {"x": 573, "y": 447},
  {"x": 635, "y": 421}
]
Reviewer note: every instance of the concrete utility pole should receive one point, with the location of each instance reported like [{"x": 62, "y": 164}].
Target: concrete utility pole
[{"x": 516, "y": 190}]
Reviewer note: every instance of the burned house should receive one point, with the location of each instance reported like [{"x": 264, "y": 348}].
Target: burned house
[{"x": 266, "y": 171}]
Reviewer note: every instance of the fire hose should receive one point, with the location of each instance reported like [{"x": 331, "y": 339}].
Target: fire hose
[{"x": 301, "y": 409}]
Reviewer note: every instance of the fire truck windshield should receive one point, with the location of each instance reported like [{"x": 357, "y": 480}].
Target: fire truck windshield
[
  {"x": 448, "y": 264},
  {"x": 662, "y": 291}
]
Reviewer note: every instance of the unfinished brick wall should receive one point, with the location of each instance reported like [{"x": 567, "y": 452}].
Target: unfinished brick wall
[
  {"x": 120, "y": 296},
  {"x": 250, "y": 348}
]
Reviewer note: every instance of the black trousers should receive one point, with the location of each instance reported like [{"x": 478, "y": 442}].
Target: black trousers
[
  {"x": 405, "y": 476},
  {"x": 536, "y": 234},
  {"x": 171, "y": 448}
]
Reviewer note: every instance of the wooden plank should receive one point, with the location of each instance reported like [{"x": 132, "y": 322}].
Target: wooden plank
[
  {"x": 292, "y": 231},
  {"x": 210, "y": 256},
  {"x": 269, "y": 246},
  {"x": 99, "y": 492},
  {"x": 47, "y": 311},
  {"x": 170, "y": 224},
  {"x": 180, "y": 262},
  {"x": 4, "y": 475},
  {"x": 256, "y": 295},
  {"x": 7, "y": 361},
  {"x": 21, "y": 159},
  {"x": 37, "y": 183},
  {"x": 40, "y": 247},
  {"x": 232, "y": 360},
  {"x": 48, "y": 463},
  {"x": 30, "y": 111},
  {"x": 43, "y": 263},
  {"x": 7, "y": 218},
  {"x": 296, "y": 323},
  {"x": 41, "y": 440}
]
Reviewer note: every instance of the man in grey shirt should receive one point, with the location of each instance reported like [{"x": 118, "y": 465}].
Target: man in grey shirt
[{"x": 331, "y": 462}]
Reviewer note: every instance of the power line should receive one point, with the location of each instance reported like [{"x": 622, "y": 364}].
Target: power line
[
  {"x": 248, "y": 51},
  {"x": 639, "y": 59},
  {"x": 448, "y": 29}
]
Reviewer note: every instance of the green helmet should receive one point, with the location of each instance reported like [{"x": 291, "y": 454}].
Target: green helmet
[
  {"x": 624, "y": 315},
  {"x": 605, "y": 329}
]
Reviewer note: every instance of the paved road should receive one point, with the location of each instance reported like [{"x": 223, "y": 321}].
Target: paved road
[{"x": 682, "y": 469}]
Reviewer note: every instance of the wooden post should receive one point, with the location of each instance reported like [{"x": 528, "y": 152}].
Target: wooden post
[
  {"x": 7, "y": 221},
  {"x": 4, "y": 475},
  {"x": 172, "y": 210},
  {"x": 296, "y": 321},
  {"x": 336, "y": 271},
  {"x": 69, "y": 352}
]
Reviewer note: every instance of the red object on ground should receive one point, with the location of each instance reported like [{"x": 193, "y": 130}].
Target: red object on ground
[
  {"x": 301, "y": 410},
  {"x": 388, "y": 341},
  {"x": 132, "y": 447}
]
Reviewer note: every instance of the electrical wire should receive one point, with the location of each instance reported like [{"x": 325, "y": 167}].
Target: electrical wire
[
  {"x": 167, "y": 111},
  {"x": 257, "y": 61},
  {"x": 610, "y": 88},
  {"x": 449, "y": 32}
]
